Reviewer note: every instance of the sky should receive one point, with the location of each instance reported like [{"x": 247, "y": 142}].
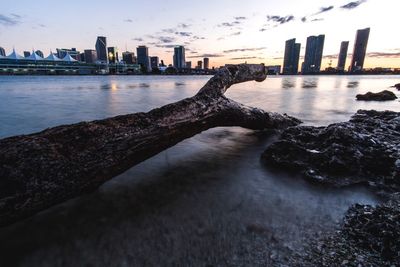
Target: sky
[{"x": 226, "y": 31}]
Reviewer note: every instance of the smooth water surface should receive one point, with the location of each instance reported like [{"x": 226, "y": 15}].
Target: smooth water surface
[{"x": 208, "y": 200}]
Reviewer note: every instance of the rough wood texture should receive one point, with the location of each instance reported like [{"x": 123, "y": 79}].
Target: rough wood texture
[{"x": 49, "y": 167}]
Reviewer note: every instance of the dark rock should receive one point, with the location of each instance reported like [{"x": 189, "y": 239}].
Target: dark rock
[
  {"x": 365, "y": 149},
  {"x": 397, "y": 86},
  {"x": 381, "y": 96}
]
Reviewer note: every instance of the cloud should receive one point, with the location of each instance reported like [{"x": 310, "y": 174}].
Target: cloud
[
  {"x": 235, "y": 33},
  {"x": 10, "y": 21},
  {"x": 184, "y": 25},
  {"x": 242, "y": 58},
  {"x": 206, "y": 55},
  {"x": 184, "y": 34},
  {"x": 240, "y": 18},
  {"x": 244, "y": 49},
  {"x": 229, "y": 24},
  {"x": 324, "y": 9},
  {"x": 162, "y": 39},
  {"x": 281, "y": 20},
  {"x": 383, "y": 55},
  {"x": 263, "y": 29},
  {"x": 317, "y": 19},
  {"x": 138, "y": 39},
  {"x": 195, "y": 37},
  {"x": 128, "y": 20},
  {"x": 304, "y": 19},
  {"x": 353, "y": 5},
  {"x": 334, "y": 56},
  {"x": 165, "y": 46},
  {"x": 170, "y": 30},
  {"x": 42, "y": 25}
]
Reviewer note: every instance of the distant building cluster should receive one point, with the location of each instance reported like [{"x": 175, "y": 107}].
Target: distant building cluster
[
  {"x": 314, "y": 53},
  {"x": 101, "y": 60}
]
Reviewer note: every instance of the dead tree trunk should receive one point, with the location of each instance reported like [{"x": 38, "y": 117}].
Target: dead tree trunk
[{"x": 49, "y": 167}]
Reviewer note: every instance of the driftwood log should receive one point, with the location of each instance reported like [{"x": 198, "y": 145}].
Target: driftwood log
[{"x": 46, "y": 168}]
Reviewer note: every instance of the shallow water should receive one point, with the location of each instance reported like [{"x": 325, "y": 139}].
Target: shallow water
[{"x": 208, "y": 200}]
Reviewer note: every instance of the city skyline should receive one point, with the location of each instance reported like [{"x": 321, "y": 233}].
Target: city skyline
[{"x": 245, "y": 32}]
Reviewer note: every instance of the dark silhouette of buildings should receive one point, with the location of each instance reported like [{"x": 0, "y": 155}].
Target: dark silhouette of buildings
[
  {"x": 62, "y": 52},
  {"x": 188, "y": 64},
  {"x": 112, "y": 53},
  {"x": 179, "y": 57},
  {"x": 313, "y": 56},
  {"x": 206, "y": 62},
  {"x": 360, "y": 49},
  {"x": 39, "y": 53},
  {"x": 154, "y": 61},
  {"x": 129, "y": 57},
  {"x": 90, "y": 56},
  {"x": 199, "y": 64},
  {"x": 101, "y": 49},
  {"x": 143, "y": 57},
  {"x": 342, "y": 56},
  {"x": 291, "y": 59},
  {"x": 2, "y": 52},
  {"x": 27, "y": 53}
]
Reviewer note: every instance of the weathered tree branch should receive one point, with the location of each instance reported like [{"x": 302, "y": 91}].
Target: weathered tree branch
[{"x": 49, "y": 167}]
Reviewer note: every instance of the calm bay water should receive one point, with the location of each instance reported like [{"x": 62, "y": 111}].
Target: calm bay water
[{"x": 206, "y": 200}]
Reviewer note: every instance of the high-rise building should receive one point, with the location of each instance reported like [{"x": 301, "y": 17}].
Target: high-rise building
[
  {"x": 154, "y": 62},
  {"x": 129, "y": 57},
  {"x": 39, "y": 53},
  {"x": 360, "y": 49},
  {"x": 82, "y": 57},
  {"x": 206, "y": 62},
  {"x": 199, "y": 64},
  {"x": 2, "y": 52},
  {"x": 342, "y": 56},
  {"x": 291, "y": 59},
  {"x": 179, "y": 57},
  {"x": 90, "y": 56},
  {"x": 188, "y": 64},
  {"x": 101, "y": 49},
  {"x": 112, "y": 53},
  {"x": 27, "y": 53},
  {"x": 143, "y": 57},
  {"x": 313, "y": 56}
]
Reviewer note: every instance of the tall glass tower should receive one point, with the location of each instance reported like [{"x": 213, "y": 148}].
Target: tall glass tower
[
  {"x": 313, "y": 56},
  {"x": 101, "y": 49},
  {"x": 291, "y": 59},
  {"x": 360, "y": 49}
]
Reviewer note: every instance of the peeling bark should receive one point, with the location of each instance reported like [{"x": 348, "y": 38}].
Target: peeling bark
[{"x": 46, "y": 168}]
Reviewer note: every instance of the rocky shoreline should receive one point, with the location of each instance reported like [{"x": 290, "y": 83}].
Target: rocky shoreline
[{"x": 364, "y": 150}]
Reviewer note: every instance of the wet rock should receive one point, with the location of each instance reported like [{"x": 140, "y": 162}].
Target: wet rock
[
  {"x": 365, "y": 149},
  {"x": 397, "y": 86},
  {"x": 381, "y": 96}
]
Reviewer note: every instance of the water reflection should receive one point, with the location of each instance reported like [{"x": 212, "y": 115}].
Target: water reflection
[
  {"x": 288, "y": 82},
  {"x": 310, "y": 83},
  {"x": 353, "y": 84}
]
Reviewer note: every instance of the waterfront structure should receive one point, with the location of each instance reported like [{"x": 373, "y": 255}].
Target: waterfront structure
[
  {"x": 199, "y": 64},
  {"x": 27, "y": 53},
  {"x": 101, "y": 49},
  {"x": 273, "y": 70},
  {"x": 313, "y": 56},
  {"x": 143, "y": 57},
  {"x": 129, "y": 57},
  {"x": 39, "y": 53},
  {"x": 89, "y": 56},
  {"x": 342, "y": 56},
  {"x": 62, "y": 52},
  {"x": 206, "y": 62},
  {"x": 188, "y": 64},
  {"x": 291, "y": 58},
  {"x": 112, "y": 53},
  {"x": 2, "y": 52},
  {"x": 179, "y": 57},
  {"x": 154, "y": 61},
  {"x": 360, "y": 49}
]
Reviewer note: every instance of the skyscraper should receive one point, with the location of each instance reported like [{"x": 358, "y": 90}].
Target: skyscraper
[
  {"x": 2, "y": 52},
  {"x": 129, "y": 57},
  {"x": 112, "y": 53},
  {"x": 101, "y": 49},
  {"x": 188, "y": 64},
  {"x": 143, "y": 57},
  {"x": 154, "y": 62},
  {"x": 62, "y": 52},
  {"x": 291, "y": 59},
  {"x": 360, "y": 49},
  {"x": 27, "y": 53},
  {"x": 206, "y": 62},
  {"x": 179, "y": 57},
  {"x": 199, "y": 64},
  {"x": 342, "y": 56},
  {"x": 313, "y": 57},
  {"x": 90, "y": 56}
]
